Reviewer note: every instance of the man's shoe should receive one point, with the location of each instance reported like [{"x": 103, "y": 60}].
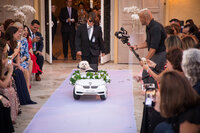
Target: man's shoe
[
  {"x": 37, "y": 77},
  {"x": 54, "y": 58}
]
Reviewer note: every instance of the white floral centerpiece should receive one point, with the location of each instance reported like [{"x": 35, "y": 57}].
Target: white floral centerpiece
[
  {"x": 135, "y": 17},
  {"x": 90, "y": 75},
  {"x": 20, "y": 12}
]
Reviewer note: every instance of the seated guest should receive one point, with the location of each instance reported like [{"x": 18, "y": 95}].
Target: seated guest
[
  {"x": 177, "y": 29},
  {"x": 12, "y": 35},
  {"x": 7, "y": 23},
  {"x": 191, "y": 67},
  {"x": 173, "y": 42},
  {"x": 37, "y": 43},
  {"x": 24, "y": 54},
  {"x": 180, "y": 103},
  {"x": 6, "y": 81},
  {"x": 175, "y": 21},
  {"x": 33, "y": 66},
  {"x": 6, "y": 125},
  {"x": 189, "y": 21},
  {"x": 169, "y": 31},
  {"x": 188, "y": 42},
  {"x": 1, "y": 30}
]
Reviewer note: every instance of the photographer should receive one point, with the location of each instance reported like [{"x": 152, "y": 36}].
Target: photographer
[{"x": 154, "y": 42}]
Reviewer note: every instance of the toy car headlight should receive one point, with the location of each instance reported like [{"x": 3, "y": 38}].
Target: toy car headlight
[
  {"x": 78, "y": 85},
  {"x": 102, "y": 85}
]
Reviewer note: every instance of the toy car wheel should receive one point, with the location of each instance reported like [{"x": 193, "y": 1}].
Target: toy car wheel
[
  {"x": 103, "y": 97},
  {"x": 77, "y": 97}
]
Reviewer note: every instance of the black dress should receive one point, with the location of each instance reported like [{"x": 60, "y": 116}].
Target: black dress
[
  {"x": 6, "y": 125},
  {"x": 22, "y": 90}
]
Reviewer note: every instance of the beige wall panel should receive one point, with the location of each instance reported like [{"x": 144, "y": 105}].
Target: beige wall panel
[{"x": 183, "y": 10}]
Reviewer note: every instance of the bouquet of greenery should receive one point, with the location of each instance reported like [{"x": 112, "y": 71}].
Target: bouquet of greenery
[{"x": 89, "y": 75}]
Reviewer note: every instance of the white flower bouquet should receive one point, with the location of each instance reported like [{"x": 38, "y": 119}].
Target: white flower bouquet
[{"x": 90, "y": 75}]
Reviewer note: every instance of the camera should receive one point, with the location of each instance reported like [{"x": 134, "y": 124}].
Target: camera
[
  {"x": 122, "y": 34},
  {"x": 124, "y": 37}
]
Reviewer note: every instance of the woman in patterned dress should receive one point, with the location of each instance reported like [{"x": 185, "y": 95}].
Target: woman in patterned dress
[
  {"x": 24, "y": 54},
  {"x": 6, "y": 88}
]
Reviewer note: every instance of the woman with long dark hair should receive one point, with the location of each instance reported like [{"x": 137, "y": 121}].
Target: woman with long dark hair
[{"x": 12, "y": 35}]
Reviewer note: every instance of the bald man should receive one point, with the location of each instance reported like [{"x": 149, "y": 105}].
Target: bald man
[{"x": 155, "y": 37}]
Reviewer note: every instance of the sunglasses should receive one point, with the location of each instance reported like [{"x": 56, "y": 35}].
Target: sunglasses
[{"x": 90, "y": 21}]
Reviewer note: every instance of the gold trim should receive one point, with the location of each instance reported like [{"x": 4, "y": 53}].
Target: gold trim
[
  {"x": 36, "y": 6},
  {"x": 116, "y": 21}
]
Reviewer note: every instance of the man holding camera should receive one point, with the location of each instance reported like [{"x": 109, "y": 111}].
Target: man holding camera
[
  {"x": 68, "y": 17},
  {"x": 37, "y": 44},
  {"x": 156, "y": 35}
]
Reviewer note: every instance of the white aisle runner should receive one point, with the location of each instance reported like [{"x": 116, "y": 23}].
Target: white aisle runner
[{"x": 62, "y": 114}]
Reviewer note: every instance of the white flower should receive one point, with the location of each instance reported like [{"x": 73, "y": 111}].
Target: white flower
[
  {"x": 19, "y": 12},
  {"x": 135, "y": 17},
  {"x": 132, "y": 9},
  {"x": 27, "y": 9}
]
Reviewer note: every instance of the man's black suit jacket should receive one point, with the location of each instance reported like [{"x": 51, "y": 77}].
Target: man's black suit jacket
[
  {"x": 39, "y": 45},
  {"x": 64, "y": 15},
  {"x": 86, "y": 46}
]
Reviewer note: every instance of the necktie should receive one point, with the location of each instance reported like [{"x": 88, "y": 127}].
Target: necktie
[
  {"x": 69, "y": 11},
  {"x": 34, "y": 44},
  {"x": 89, "y": 32}
]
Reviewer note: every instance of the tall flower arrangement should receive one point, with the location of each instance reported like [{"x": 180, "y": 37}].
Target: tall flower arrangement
[
  {"x": 134, "y": 16},
  {"x": 20, "y": 12}
]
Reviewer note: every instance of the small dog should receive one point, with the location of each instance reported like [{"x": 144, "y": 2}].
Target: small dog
[{"x": 84, "y": 67}]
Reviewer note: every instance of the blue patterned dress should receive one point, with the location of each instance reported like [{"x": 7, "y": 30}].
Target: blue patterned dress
[{"x": 24, "y": 52}]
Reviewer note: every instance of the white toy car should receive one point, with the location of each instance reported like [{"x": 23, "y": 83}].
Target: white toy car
[{"x": 90, "y": 87}]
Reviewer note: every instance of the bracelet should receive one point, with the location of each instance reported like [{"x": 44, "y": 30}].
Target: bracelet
[{"x": 148, "y": 70}]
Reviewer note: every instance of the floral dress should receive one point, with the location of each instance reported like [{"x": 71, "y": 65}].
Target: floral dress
[
  {"x": 11, "y": 94},
  {"x": 24, "y": 52}
]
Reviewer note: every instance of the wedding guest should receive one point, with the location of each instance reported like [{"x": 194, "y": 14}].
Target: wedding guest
[
  {"x": 173, "y": 42},
  {"x": 6, "y": 125},
  {"x": 183, "y": 110},
  {"x": 37, "y": 44},
  {"x": 33, "y": 66},
  {"x": 175, "y": 21},
  {"x": 169, "y": 31},
  {"x": 54, "y": 27},
  {"x": 1, "y": 30},
  {"x": 188, "y": 42},
  {"x": 7, "y": 23},
  {"x": 12, "y": 34},
  {"x": 174, "y": 58},
  {"x": 189, "y": 21},
  {"x": 68, "y": 17},
  {"x": 191, "y": 67},
  {"x": 24, "y": 54},
  {"x": 82, "y": 14},
  {"x": 6, "y": 81}
]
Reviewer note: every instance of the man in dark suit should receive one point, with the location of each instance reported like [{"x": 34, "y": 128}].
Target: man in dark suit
[
  {"x": 37, "y": 44},
  {"x": 54, "y": 27},
  {"x": 68, "y": 17},
  {"x": 89, "y": 41}
]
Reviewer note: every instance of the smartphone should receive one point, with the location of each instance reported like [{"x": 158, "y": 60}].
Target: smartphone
[{"x": 9, "y": 59}]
